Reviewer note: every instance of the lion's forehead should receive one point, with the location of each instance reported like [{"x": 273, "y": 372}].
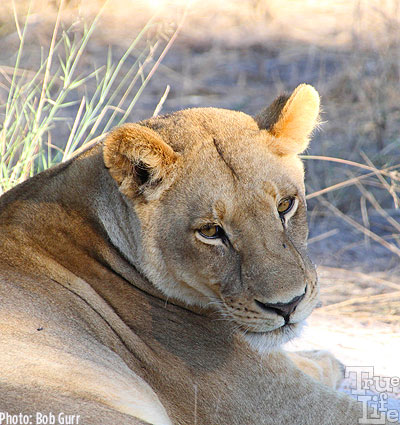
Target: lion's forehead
[
  {"x": 226, "y": 158},
  {"x": 251, "y": 176}
]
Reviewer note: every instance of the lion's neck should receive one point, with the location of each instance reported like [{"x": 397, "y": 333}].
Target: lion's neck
[{"x": 76, "y": 225}]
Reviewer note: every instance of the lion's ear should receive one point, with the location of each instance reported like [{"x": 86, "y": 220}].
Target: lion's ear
[
  {"x": 291, "y": 120},
  {"x": 139, "y": 160}
]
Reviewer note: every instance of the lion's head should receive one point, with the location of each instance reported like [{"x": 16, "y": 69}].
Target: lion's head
[{"x": 220, "y": 203}]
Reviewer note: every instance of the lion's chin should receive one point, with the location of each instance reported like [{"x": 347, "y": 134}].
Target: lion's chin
[{"x": 265, "y": 342}]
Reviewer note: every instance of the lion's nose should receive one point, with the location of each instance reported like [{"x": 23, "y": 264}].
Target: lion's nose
[{"x": 283, "y": 309}]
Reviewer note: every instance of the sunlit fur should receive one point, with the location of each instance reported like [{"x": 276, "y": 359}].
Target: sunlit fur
[{"x": 113, "y": 308}]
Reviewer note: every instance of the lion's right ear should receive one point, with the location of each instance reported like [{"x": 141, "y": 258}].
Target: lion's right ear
[{"x": 139, "y": 160}]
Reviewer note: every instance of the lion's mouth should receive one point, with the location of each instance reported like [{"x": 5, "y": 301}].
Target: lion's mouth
[
  {"x": 273, "y": 325},
  {"x": 254, "y": 317},
  {"x": 281, "y": 328},
  {"x": 250, "y": 321},
  {"x": 286, "y": 328},
  {"x": 265, "y": 342}
]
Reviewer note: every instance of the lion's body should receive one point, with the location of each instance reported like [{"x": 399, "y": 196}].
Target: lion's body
[{"x": 86, "y": 325}]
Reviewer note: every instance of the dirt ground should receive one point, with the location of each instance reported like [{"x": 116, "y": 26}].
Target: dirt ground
[{"x": 243, "y": 66}]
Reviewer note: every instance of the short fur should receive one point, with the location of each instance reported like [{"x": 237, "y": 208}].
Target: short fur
[{"x": 113, "y": 307}]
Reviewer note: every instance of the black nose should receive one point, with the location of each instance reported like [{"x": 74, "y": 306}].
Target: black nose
[{"x": 283, "y": 309}]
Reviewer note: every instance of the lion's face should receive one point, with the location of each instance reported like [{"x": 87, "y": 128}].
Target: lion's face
[
  {"x": 234, "y": 230},
  {"x": 223, "y": 223}
]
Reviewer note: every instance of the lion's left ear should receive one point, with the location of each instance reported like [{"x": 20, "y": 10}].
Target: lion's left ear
[
  {"x": 291, "y": 120},
  {"x": 139, "y": 160}
]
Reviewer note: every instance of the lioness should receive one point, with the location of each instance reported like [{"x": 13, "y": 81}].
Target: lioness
[{"x": 153, "y": 278}]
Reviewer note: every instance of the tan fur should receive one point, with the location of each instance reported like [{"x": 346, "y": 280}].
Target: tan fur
[
  {"x": 296, "y": 122},
  {"x": 115, "y": 307},
  {"x": 321, "y": 365},
  {"x": 132, "y": 145}
]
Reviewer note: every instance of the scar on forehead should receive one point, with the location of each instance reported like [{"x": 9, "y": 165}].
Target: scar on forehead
[
  {"x": 220, "y": 153},
  {"x": 270, "y": 189},
  {"x": 220, "y": 209}
]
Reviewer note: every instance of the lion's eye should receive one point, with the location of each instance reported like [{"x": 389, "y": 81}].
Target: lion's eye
[
  {"x": 285, "y": 205},
  {"x": 211, "y": 231}
]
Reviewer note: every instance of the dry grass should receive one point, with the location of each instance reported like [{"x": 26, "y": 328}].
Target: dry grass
[
  {"x": 37, "y": 98},
  {"x": 368, "y": 298}
]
